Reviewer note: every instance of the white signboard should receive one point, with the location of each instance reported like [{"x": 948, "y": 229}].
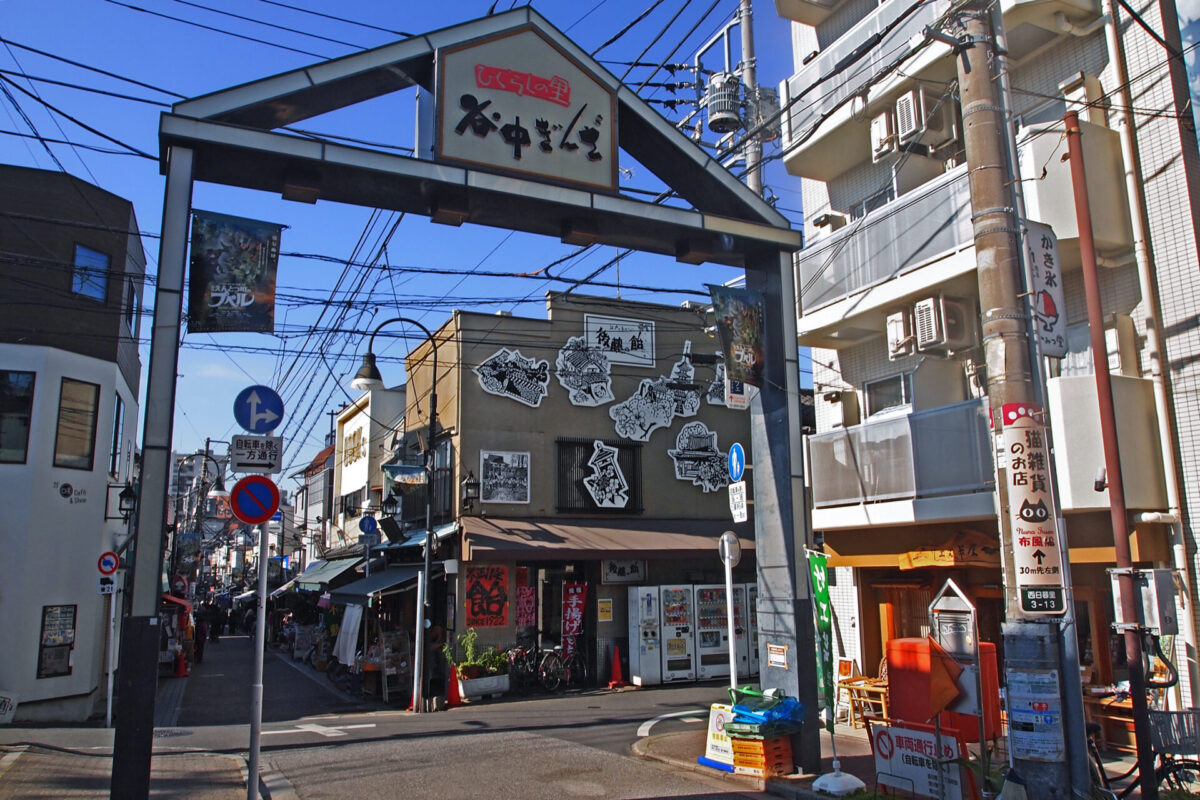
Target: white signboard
[
  {"x": 737, "y": 501},
  {"x": 1049, "y": 298},
  {"x": 1036, "y": 553},
  {"x": 107, "y": 585},
  {"x": 719, "y": 746},
  {"x": 516, "y": 102},
  {"x": 908, "y": 759},
  {"x": 262, "y": 454},
  {"x": 1035, "y": 720},
  {"x": 623, "y": 341}
]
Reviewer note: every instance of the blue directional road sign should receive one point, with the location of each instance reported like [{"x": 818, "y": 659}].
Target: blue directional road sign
[
  {"x": 737, "y": 462},
  {"x": 258, "y": 409},
  {"x": 254, "y": 499},
  {"x": 368, "y": 525}
]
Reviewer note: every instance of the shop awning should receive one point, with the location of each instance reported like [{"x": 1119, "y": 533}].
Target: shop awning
[
  {"x": 382, "y": 582},
  {"x": 416, "y": 538},
  {"x": 321, "y": 573},
  {"x": 489, "y": 538},
  {"x": 287, "y": 587}
]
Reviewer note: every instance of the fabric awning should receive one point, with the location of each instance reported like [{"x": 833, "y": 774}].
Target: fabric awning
[
  {"x": 395, "y": 577},
  {"x": 488, "y": 538},
  {"x": 285, "y": 588},
  {"x": 315, "y": 577}
]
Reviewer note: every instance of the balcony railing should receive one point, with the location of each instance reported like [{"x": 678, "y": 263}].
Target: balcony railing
[
  {"x": 922, "y": 226},
  {"x": 942, "y": 451},
  {"x": 820, "y": 100}
]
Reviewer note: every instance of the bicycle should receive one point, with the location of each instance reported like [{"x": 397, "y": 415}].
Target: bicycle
[
  {"x": 524, "y": 662},
  {"x": 1173, "y": 735},
  {"x": 568, "y": 673}
]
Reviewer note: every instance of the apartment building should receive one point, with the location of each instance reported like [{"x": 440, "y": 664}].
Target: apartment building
[
  {"x": 71, "y": 274},
  {"x": 901, "y": 463}
]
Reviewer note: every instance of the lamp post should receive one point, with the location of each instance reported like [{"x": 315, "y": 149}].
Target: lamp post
[{"x": 366, "y": 379}]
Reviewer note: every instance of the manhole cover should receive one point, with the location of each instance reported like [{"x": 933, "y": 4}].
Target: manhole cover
[{"x": 169, "y": 733}]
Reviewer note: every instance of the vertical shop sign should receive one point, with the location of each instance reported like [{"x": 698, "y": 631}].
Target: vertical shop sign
[
  {"x": 57, "y": 641},
  {"x": 819, "y": 570},
  {"x": 1049, "y": 297},
  {"x": 526, "y": 607},
  {"x": 232, "y": 279},
  {"x": 487, "y": 596},
  {"x": 1036, "y": 553},
  {"x": 574, "y": 602}
]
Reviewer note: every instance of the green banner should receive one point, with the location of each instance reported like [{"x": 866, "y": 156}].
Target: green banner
[{"x": 819, "y": 571}]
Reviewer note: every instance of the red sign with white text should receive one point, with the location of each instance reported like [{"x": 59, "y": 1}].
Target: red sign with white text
[{"x": 574, "y": 604}]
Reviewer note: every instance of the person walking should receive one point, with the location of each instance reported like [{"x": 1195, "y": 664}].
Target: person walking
[{"x": 201, "y": 637}]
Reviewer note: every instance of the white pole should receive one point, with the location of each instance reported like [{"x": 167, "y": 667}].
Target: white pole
[
  {"x": 729, "y": 620},
  {"x": 112, "y": 640},
  {"x": 419, "y": 645},
  {"x": 260, "y": 641}
]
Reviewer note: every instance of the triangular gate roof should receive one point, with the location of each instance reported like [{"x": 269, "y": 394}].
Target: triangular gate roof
[{"x": 233, "y": 135}]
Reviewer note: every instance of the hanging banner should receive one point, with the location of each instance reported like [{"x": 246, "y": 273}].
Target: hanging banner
[
  {"x": 1049, "y": 297},
  {"x": 818, "y": 569},
  {"x": 526, "y": 607},
  {"x": 574, "y": 602},
  {"x": 487, "y": 596},
  {"x": 740, "y": 324},
  {"x": 233, "y": 266}
]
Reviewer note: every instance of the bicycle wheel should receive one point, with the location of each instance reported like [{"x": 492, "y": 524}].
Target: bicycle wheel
[
  {"x": 1181, "y": 774},
  {"x": 574, "y": 672},
  {"x": 552, "y": 672}
]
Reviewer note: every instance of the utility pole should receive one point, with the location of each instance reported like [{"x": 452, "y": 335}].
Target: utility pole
[
  {"x": 1035, "y": 589},
  {"x": 750, "y": 82}
]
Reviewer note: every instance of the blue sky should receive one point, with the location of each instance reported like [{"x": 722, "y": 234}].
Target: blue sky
[{"x": 176, "y": 57}]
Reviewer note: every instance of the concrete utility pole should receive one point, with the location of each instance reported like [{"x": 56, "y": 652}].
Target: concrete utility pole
[
  {"x": 750, "y": 82},
  {"x": 1033, "y": 656}
]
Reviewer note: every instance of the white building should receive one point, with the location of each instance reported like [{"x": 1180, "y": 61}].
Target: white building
[{"x": 71, "y": 276}]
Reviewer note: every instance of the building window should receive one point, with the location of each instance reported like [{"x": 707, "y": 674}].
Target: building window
[
  {"x": 890, "y": 395},
  {"x": 75, "y": 440},
  {"x": 574, "y": 465},
  {"x": 131, "y": 307},
  {"x": 351, "y": 503},
  {"x": 16, "y": 407},
  {"x": 90, "y": 278},
  {"x": 114, "y": 457}
]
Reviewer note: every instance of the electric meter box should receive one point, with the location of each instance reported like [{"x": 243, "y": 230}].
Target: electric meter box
[{"x": 1157, "y": 588}]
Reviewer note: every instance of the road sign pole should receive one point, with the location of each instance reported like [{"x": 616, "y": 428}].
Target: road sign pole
[{"x": 260, "y": 642}]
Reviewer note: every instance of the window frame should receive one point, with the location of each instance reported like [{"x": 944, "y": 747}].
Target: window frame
[
  {"x": 59, "y": 458},
  {"x": 634, "y": 476},
  {"x": 28, "y": 415},
  {"x": 118, "y": 434},
  {"x": 906, "y": 392},
  {"x": 83, "y": 274},
  {"x": 131, "y": 307}
]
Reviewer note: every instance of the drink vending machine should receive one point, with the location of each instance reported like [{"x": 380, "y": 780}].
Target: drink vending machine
[
  {"x": 645, "y": 638},
  {"x": 712, "y": 633},
  {"x": 750, "y": 626},
  {"x": 678, "y": 634}
]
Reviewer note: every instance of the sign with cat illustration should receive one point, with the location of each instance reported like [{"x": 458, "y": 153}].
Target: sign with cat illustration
[{"x": 1037, "y": 555}]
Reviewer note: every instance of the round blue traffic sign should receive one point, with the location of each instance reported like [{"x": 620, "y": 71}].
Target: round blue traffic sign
[
  {"x": 254, "y": 499},
  {"x": 258, "y": 409},
  {"x": 737, "y": 462},
  {"x": 368, "y": 525}
]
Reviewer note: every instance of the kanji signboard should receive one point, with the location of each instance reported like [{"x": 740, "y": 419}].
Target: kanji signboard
[
  {"x": 574, "y": 604},
  {"x": 1049, "y": 297},
  {"x": 517, "y": 102},
  {"x": 1036, "y": 553},
  {"x": 256, "y": 454}
]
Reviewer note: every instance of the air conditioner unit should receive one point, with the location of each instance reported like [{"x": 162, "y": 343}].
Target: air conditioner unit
[
  {"x": 883, "y": 136},
  {"x": 922, "y": 118},
  {"x": 944, "y": 324},
  {"x": 899, "y": 335}
]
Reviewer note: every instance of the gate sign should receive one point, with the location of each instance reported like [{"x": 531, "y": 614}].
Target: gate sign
[
  {"x": 108, "y": 563},
  {"x": 258, "y": 409},
  {"x": 1036, "y": 553},
  {"x": 254, "y": 499},
  {"x": 518, "y": 103},
  {"x": 907, "y": 759}
]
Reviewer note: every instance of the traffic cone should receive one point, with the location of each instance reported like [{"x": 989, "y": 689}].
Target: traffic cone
[
  {"x": 618, "y": 677},
  {"x": 452, "y": 697},
  {"x": 180, "y": 665}
]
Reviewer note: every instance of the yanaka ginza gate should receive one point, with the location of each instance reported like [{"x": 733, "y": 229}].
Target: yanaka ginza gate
[{"x": 518, "y": 129}]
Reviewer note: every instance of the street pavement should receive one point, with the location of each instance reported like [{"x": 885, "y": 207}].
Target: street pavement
[{"x": 201, "y": 742}]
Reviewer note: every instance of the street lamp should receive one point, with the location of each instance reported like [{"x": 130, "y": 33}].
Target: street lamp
[
  {"x": 126, "y": 501},
  {"x": 390, "y": 505},
  {"x": 366, "y": 379}
]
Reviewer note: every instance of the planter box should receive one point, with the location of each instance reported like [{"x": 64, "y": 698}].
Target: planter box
[{"x": 494, "y": 685}]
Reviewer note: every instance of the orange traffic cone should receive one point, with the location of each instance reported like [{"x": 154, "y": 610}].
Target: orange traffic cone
[
  {"x": 618, "y": 677},
  {"x": 180, "y": 665},
  {"x": 452, "y": 697}
]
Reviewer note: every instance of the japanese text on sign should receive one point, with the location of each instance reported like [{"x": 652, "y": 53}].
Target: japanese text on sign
[
  {"x": 487, "y": 596},
  {"x": 908, "y": 759},
  {"x": 574, "y": 603},
  {"x": 1049, "y": 297},
  {"x": 1036, "y": 553}
]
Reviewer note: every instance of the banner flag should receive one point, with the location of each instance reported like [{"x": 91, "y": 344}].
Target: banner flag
[
  {"x": 232, "y": 278},
  {"x": 740, "y": 324},
  {"x": 818, "y": 568}
]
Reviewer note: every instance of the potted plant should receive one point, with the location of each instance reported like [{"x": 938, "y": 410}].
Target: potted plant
[{"x": 481, "y": 672}]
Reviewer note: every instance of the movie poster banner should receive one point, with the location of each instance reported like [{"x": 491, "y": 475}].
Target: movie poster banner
[
  {"x": 232, "y": 281},
  {"x": 740, "y": 324}
]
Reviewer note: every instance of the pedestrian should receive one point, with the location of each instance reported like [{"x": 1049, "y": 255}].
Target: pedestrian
[
  {"x": 214, "y": 623},
  {"x": 438, "y": 670},
  {"x": 201, "y": 637}
]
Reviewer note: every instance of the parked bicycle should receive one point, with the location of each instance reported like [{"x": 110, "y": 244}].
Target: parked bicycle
[
  {"x": 565, "y": 672},
  {"x": 348, "y": 678},
  {"x": 1175, "y": 738}
]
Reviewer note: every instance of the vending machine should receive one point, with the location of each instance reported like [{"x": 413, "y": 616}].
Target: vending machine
[
  {"x": 678, "y": 634},
  {"x": 712, "y": 633},
  {"x": 751, "y": 628},
  {"x": 645, "y": 636}
]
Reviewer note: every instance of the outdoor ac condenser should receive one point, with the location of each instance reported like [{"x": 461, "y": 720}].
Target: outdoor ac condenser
[
  {"x": 899, "y": 335},
  {"x": 883, "y": 136},
  {"x": 922, "y": 119},
  {"x": 944, "y": 324}
]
